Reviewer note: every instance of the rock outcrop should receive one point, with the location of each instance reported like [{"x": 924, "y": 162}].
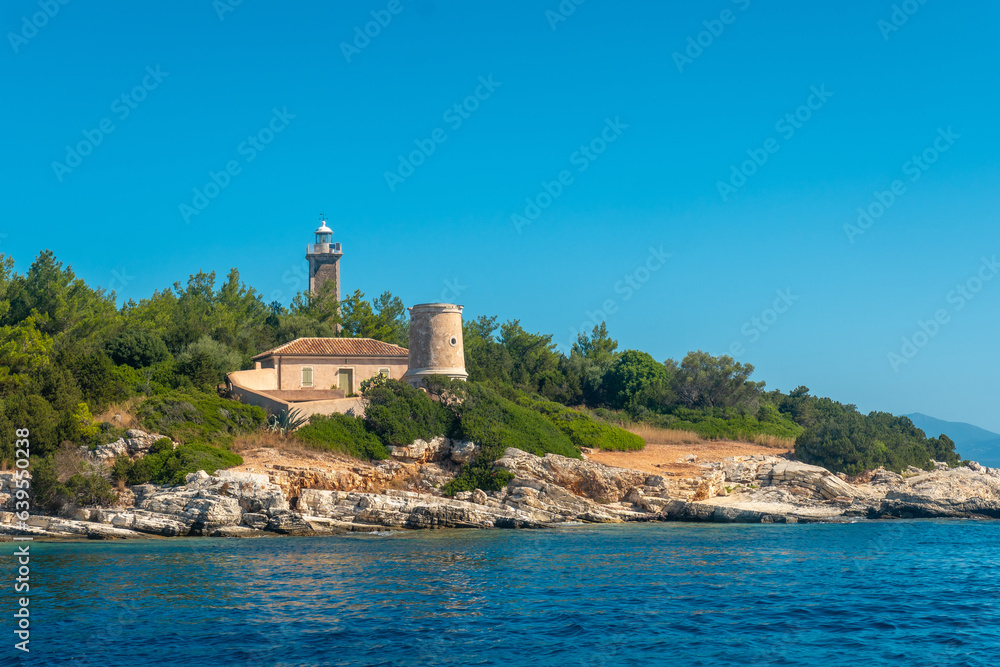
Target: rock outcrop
[
  {"x": 424, "y": 451},
  {"x": 812, "y": 479},
  {"x": 406, "y": 509},
  {"x": 598, "y": 482},
  {"x": 134, "y": 444},
  {"x": 404, "y": 493}
]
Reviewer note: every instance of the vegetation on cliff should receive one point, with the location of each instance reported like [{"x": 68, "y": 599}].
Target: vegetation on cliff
[
  {"x": 165, "y": 464},
  {"x": 342, "y": 433},
  {"x": 190, "y": 416},
  {"x": 68, "y": 352}
]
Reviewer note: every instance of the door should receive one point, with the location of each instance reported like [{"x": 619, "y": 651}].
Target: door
[{"x": 345, "y": 380}]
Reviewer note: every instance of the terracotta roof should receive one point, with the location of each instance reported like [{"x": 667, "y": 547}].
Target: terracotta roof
[{"x": 337, "y": 347}]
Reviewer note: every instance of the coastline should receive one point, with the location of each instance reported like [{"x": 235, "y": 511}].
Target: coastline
[{"x": 337, "y": 495}]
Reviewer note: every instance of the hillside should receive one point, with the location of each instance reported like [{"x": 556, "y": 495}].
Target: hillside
[{"x": 972, "y": 442}]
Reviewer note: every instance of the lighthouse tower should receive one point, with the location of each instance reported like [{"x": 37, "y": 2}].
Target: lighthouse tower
[{"x": 324, "y": 260}]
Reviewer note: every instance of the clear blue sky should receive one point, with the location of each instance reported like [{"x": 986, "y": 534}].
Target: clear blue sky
[{"x": 678, "y": 126}]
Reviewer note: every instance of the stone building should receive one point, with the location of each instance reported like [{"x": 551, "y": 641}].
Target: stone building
[
  {"x": 323, "y": 375},
  {"x": 436, "y": 346},
  {"x": 316, "y": 375}
]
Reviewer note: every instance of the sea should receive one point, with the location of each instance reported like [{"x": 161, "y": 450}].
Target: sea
[{"x": 867, "y": 593}]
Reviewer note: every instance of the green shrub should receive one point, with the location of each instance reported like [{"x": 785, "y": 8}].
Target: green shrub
[
  {"x": 474, "y": 477},
  {"x": 47, "y": 426},
  {"x": 85, "y": 489},
  {"x": 496, "y": 423},
  {"x": 128, "y": 471},
  {"x": 192, "y": 415},
  {"x": 583, "y": 430},
  {"x": 723, "y": 423},
  {"x": 399, "y": 414},
  {"x": 166, "y": 465},
  {"x": 597, "y": 435},
  {"x": 342, "y": 433},
  {"x": 89, "y": 490}
]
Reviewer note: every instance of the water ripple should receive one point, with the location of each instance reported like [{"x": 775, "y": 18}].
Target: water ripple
[{"x": 921, "y": 593}]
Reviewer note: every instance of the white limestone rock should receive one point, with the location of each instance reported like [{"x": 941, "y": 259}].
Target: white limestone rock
[
  {"x": 423, "y": 451},
  {"x": 463, "y": 451}
]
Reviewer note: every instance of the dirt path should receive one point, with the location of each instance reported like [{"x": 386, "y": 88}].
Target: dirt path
[
  {"x": 262, "y": 459},
  {"x": 658, "y": 459},
  {"x": 654, "y": 459}
]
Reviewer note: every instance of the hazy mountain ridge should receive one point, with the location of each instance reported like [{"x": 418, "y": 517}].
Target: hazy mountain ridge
[{"x": 972, "y": 442}]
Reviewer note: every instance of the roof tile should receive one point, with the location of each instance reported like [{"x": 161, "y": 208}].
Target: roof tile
[{"x": 337, "y": 347}]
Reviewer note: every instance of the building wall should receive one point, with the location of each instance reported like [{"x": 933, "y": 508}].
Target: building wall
[
  {"x": 356, "y": 406},
  {"x": 304, "y": 409},
  {"x": 326, "y": 370},
  {"x": 261, "y": 379},
  {"x": 251, "y": 396}
]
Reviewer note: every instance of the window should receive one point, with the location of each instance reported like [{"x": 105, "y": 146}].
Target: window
[
  {"x": 384, "y": 371},
  {"x": 307, "y": 377}
]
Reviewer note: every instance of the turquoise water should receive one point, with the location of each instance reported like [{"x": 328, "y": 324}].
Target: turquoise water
[{"x": 920, "y": 593}]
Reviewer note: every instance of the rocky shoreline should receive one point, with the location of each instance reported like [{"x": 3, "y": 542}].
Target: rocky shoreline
[{"x": 402, "y": 493}]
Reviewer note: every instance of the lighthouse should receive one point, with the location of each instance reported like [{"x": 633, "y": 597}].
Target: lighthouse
[{"x": 324, "y": 260}]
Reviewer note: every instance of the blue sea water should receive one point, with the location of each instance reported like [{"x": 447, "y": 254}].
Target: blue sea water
[{"x": 904, "y": 593}]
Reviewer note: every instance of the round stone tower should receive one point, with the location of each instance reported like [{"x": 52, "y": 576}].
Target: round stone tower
[{"x": 436, "y": 346}]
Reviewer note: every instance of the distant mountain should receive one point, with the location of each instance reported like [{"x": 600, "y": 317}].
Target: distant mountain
[{"x": 972, "y": 442}]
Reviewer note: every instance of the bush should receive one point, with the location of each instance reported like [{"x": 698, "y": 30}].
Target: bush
[
  {"x": 583, "y": 430},
  {"x": 589, "y": 433},
  {"x": 82, "y": 488},
  {"x": 166, "y": 465},
  {"x": 399, "y": 414},
  {"x": 87, "y": 431},
  {"x": 496, "y": 423},
  {"x": 724, "y": 424},
  {"x": 342, "y": 433},
  {"x": 192, "y": 415},
  {"x": 474, "y": 477},
  {"x": 129, "y": 471},
  {"x": 89, "y": 490}
]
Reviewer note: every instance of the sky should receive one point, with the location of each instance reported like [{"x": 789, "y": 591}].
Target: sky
[{"x": 808, "y": 187}]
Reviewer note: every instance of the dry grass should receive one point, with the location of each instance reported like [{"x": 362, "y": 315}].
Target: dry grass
[
  {"x": 669, "y": 436},
  {"x": 67, "y": 461},
  {"x": 661, "y": 458},
  {"x": 665, "y": 436},
  {"x": 249, "y": 445},
  {"x": 667, "y": 449},
  {"x": 773, "y": 441},
  {"x": 262, "y": 438},
  {"x": 120, "y": 414}
]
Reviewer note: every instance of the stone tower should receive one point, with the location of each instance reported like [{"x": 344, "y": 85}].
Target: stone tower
[
  {"x": 324, "y": 260},
  {"x": 436, "y": 346}
]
